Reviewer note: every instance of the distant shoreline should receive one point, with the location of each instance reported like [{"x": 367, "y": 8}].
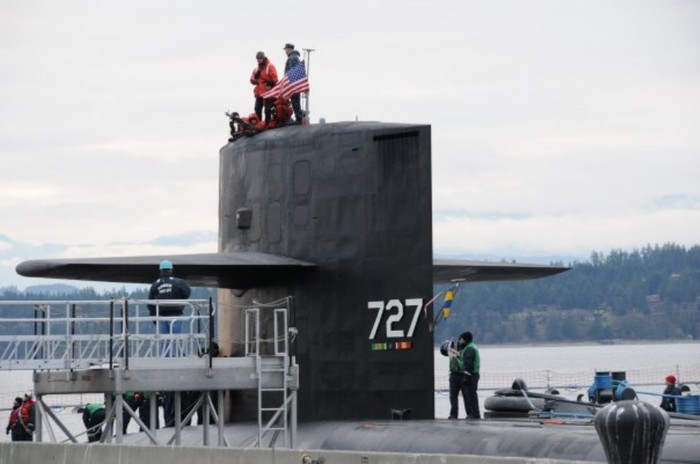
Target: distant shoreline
[{"x": 587, "y": 343}]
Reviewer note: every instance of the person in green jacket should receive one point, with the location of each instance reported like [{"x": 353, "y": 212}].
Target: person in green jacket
[
  {"x": 472, "y": 364},
  {"x": 457, "y": 377},
  {"x": 93, "y": 418}
]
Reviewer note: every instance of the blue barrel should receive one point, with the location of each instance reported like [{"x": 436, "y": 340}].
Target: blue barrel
[
  {"x": 603, "y": 381},
  {"x": 624, "y": 392},
  {"x": 689, "y": 404},
  {"x": 619, "y": 376}
]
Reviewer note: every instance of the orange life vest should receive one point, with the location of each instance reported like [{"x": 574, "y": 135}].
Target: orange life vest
[
  {"x": 265, "y": 75},
  {"x": 24, "y": 412}
]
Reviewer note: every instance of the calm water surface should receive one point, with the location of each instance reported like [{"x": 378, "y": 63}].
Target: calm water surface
[
  {"x": 496, "y": 362},
  {"x": 575, "y": 358}
]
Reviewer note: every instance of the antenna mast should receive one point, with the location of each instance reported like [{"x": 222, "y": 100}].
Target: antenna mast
[{"x": 307, "y": 58}]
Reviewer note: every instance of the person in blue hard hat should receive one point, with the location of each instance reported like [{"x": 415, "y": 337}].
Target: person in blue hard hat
[{"x": 168, "y": 287}]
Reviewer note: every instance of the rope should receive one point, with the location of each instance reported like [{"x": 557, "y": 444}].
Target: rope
[{"x": 524, "y": 392}]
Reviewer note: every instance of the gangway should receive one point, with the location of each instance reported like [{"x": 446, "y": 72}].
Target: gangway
[
  {"x": 68, "y": 335},
  {"x": 116, "y": 346}
]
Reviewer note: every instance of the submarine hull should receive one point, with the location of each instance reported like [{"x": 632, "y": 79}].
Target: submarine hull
[{"x": 540, "y": 440}]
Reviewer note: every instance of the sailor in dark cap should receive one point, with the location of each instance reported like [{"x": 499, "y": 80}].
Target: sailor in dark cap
[
  {"x": 13, "y": 423},
  {"x": 293, "y": 59},
  {"x": 458, "y": 383},
  {"x": 472, "y": 364}
]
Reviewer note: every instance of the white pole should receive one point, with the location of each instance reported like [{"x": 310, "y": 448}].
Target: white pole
[{"x": 307, "y": 58}]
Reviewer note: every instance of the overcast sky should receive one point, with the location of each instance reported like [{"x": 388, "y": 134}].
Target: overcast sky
[{"x": 558, "y": 127}]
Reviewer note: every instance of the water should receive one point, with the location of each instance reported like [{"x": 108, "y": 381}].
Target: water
[
  {"x": 571, "y": 368},
  {"x": 571, "y": 365}
]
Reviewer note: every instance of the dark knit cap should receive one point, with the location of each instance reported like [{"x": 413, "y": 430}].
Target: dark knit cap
[{"x": 467, "y": 336}]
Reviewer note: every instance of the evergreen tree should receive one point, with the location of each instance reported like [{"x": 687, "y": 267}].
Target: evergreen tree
[{"x": 652, "y": 293}]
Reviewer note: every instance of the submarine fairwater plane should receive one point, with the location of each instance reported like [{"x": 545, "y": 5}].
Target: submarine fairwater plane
[{"x": 339, "y": 217}]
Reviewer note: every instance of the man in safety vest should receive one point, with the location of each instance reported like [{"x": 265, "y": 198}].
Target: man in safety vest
[
  {"x": 26, "y": 419},
  {"x": 13, "y": 422},
  {"x": 264, "y": 78},
  {"x": 472, "y": 364},
  {"x": 457, "y": 381}
]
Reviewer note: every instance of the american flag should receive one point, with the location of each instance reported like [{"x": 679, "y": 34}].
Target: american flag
[{"x": 295, "y": 81}]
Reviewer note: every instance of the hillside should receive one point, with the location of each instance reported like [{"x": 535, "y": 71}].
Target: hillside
[{"x": 647, "y": 294}]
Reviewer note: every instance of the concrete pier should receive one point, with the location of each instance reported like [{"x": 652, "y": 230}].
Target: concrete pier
[{"x": 23, "y": 453}]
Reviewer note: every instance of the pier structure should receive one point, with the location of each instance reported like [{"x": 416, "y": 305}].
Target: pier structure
[{"x": 112, "y": 347}]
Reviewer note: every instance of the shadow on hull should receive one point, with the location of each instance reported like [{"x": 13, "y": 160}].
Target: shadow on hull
[{"x": 537, "y": 439}]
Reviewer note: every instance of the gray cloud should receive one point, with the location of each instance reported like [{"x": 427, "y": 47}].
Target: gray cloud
[{"x": 556, "y": 126}]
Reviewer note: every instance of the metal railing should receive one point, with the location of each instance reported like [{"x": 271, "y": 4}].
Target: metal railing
[{"x": 78, "y": 334}]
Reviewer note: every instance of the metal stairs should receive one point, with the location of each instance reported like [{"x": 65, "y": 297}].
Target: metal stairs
[{"x": 276, "y": 401}]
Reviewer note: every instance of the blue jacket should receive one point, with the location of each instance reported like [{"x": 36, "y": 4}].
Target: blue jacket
[
  {"x": 292, "y": 60},
  {"x": 168, "y": 288}
]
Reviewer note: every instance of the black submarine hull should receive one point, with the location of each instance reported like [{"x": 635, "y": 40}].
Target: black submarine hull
[
  {"x": 355, "y": 200},
  {"x": 546, "y": 440}
]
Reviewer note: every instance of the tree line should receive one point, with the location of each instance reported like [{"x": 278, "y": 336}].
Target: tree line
[{"x": 651, "y": 293}]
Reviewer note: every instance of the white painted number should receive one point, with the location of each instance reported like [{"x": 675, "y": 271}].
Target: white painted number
[
  {"x": 395, "y": 317},
  {"x": 379, "y": 305},
  {"x": 394, "y": 333},
  {"x": 418, "y": 304}
]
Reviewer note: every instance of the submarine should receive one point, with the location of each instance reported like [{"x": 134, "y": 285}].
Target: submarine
[{"x": 339, "y": 217}]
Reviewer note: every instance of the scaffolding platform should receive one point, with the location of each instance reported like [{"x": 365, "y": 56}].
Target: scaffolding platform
[
  {"x": 119, "y": 346},
  {"x": 162, "y": 374}
]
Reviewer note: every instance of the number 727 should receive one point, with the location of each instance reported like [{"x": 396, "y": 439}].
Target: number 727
[{"x": 396, "y": 318}]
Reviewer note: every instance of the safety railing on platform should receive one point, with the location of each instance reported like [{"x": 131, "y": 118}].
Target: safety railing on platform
[
  {"x": 581, "y": 380},
  {"x": 43, "y": 335}
]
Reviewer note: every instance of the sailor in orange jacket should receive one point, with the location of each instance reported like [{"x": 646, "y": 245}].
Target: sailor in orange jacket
[
  {"x": 26, "y": 418},
  {"x": 13, "y": 422},
  {"x": 264, "y": 78}
]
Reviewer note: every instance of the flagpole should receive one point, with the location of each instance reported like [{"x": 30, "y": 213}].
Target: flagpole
[{"x": 307, "y": 57}]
